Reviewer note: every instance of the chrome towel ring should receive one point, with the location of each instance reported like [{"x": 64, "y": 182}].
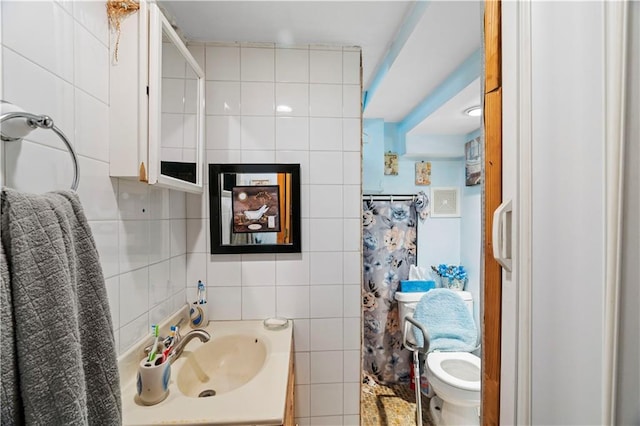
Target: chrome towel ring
[{"x": 43, "y": 122}]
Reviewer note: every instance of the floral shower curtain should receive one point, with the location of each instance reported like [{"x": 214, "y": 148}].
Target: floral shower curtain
[{"x": 389, "y": 248}]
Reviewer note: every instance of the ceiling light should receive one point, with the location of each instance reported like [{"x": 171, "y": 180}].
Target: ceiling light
[{"x": 474, "y": 111}]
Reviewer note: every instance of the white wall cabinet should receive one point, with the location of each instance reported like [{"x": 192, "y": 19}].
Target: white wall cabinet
[{"x": 156, "y": 105}]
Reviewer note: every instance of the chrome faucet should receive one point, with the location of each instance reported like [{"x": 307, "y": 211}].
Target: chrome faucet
[
  {"x": 171, "y": 340},
  {"x": 179, "y": 346}
]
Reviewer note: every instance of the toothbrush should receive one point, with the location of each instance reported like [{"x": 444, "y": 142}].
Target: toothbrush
[
  {"x": 201, "y": 300},
  {"x": 172, "y": 334},
  {"x": 154, "y": 350}
]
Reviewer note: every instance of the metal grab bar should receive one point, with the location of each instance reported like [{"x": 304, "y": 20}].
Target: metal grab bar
[
  {"x": 44, "y": 122},
  {"x": 424, "y": 349}
]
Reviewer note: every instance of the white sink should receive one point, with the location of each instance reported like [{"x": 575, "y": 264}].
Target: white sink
[
  {"x": 245, "y": 364},
  {"x": 221, "y": 365}
]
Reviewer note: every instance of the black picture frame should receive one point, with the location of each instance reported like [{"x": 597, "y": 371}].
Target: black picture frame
[{"x": 219, "y": 188}]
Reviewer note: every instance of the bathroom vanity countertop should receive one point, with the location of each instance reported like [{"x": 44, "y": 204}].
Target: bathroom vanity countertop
[{"x": 260, "y": 401}]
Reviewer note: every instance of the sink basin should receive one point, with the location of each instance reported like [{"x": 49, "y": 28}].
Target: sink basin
[
  {"x": 221, "y": 365},
  {"x": 245, "y": 364}
]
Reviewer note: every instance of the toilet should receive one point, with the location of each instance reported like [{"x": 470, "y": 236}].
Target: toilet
[{"x": 454, "y": 377}]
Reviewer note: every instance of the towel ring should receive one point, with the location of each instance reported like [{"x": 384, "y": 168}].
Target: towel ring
[{"x": 44, "y": 122}]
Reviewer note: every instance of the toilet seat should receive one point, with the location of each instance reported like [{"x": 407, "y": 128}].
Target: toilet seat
[{"x": 457, "y": 369}]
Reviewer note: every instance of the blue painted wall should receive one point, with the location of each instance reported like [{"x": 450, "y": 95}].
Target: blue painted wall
[
  {"x": 471, "y": 234},
  {"x": 440, "y": 240},
  {"x": 372, "y": 155}
]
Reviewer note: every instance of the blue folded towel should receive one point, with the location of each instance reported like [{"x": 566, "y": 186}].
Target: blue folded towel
[{"x": 448, "y": 321}]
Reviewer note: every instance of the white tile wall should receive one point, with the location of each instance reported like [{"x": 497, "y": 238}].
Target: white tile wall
[
  {"x": 326, "y": 367},
  {"x": 320, "y": 287},
  {"x": 326, "y": 400},
  {"x": 325, "y": 100},
  {"x": 326, "y": 267},
  {"x": 257, "y": 133},
  {"x": 257, "y": 64},
  {"x": 325, "y": 201},
  {"x": 292, "y": 65},
  {"x": 223, "y": 132},
  {"x": 325, "y": 167},
  {"x": 38, "y": 90},
  {"x": 55, "y": 61},
  {"x": 326, "y": 66},
  {"x": 257, "y": 98},
  {"x": 292, "y": 100},
  {"x": 222, "y": 98},
  {"x": 292, "y": 134},
  {"x": 326, "y": 134},
  {"x": 52, "y": 30},
  {"x": 223, "y": 63}
]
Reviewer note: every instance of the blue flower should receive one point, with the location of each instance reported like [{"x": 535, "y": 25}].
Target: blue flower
[
  {"x": 399, "y": 212},
  {"x": 450, "y": 271},
  {"x": 390, "y": 277},
  {"x": 370, "y": 242}
]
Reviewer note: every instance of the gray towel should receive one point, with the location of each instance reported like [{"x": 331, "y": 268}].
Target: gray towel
[{"x": 59, "y": 362}]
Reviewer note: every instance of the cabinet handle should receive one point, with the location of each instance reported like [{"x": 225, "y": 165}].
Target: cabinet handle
[{"x": 501, "y": 235}]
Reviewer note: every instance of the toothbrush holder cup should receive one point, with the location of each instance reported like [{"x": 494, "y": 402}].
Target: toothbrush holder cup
[{"x": 153, "y": 380}]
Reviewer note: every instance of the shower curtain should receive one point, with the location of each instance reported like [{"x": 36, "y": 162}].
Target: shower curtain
[{"x": 389, "y": 248}]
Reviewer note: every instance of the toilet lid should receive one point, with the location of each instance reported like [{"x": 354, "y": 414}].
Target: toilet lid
[{"x": 458, "y": 369}]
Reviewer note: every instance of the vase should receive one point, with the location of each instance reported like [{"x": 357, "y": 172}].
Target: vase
[{"x": 455, "y": 284}]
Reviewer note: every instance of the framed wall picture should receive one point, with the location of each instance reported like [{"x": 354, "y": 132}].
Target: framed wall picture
[
  {"x": 232, "y": 215},
  {"x": 256, "y": 208},
  {"x": 473, "y": 162},
  {"x": 423, "y": 173},
  {"x": 391, "y": 163}
]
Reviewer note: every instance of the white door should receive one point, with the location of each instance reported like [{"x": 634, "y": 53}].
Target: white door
[
  {"x": 506, "y": 223},
  {"x": 561, "y": 109}
]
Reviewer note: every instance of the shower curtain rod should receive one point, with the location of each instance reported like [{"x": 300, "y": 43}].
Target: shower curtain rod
[{"x": 390, "y": 197}]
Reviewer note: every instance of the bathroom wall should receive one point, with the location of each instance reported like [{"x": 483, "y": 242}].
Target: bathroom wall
[
  {"x": 372, "y": 155},
  {"x": 471, "y": 242},
  {"x": 471, "y": 247},
  {"x": 55, "y": 61},
  {"x": 320, "y": 287},
  {"x": 440, "y": 240}
]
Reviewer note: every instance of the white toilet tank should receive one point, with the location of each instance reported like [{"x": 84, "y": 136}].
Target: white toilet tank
[{"x": 407, "y": 302}]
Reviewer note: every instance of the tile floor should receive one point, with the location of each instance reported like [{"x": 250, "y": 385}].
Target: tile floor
[{"x": 392, "y": 405}]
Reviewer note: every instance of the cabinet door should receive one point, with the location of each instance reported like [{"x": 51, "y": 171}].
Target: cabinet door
[{"x": 176, "y": 109}]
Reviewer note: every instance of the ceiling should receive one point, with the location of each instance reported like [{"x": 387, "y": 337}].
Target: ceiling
[{"x": 418, "y": 57}]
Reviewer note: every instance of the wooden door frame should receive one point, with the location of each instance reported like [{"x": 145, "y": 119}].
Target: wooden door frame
[{"x": 492, "y": 272}]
